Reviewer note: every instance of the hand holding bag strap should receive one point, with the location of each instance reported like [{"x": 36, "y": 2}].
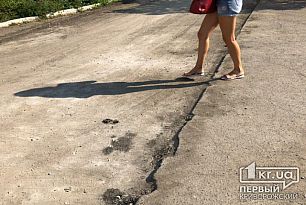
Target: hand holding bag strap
[{"x": 203, "y": 6}]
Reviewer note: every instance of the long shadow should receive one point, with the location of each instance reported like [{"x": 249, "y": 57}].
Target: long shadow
[
  {"x": 88, "y": 89},
  {"x": 160, "y": 7}
]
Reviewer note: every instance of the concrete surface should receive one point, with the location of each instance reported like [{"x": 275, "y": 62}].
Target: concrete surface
[
  {"x": 258, "y": 119},
  {"x": 61, "y": 78}
]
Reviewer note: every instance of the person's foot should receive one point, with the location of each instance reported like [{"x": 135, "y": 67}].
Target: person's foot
[
  {"x": 234, "y": 74},
  {"x": 195, "y": 71}
]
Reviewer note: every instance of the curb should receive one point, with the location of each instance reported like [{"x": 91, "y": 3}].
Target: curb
[
  {"x": 18, "y": 21},
  {"x": 50, "y": 15}
]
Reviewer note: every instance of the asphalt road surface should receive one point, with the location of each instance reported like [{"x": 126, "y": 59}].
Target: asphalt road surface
[{"x": 61, "y": 78}]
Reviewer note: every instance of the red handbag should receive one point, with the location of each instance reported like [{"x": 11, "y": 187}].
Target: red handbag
[{"x": 203, "y": 6}]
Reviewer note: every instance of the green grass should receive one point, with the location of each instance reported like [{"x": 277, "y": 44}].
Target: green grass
[{"x": 12, "y": 9}]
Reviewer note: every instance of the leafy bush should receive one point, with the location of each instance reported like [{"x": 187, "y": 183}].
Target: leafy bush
[{"x": 11, "y": 9}]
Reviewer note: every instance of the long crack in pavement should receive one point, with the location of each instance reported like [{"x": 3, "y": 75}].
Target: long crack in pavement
[
  {"x": 107, "y": 155},
  {"x": 115, "y": 196}
]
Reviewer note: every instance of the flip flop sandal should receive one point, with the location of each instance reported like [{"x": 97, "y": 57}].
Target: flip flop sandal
[
  {"x": 232, "y": 77},
  {"x": 194, "y": 74}
]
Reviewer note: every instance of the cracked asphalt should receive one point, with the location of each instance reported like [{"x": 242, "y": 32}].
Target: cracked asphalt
[
  {"x": 259, "y": 119},
  {"x": 63, "y": 78}
]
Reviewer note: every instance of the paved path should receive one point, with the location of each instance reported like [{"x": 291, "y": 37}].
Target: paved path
[
  {"x": 60, "y": 78},
  {"x": 258, "y": 119},
  {"x": 59, "y": 82}
]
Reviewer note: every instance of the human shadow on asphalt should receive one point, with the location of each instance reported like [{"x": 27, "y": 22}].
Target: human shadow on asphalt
[
  {"x": 88, "y": 89},
  {"x": 161, "y": 7}
]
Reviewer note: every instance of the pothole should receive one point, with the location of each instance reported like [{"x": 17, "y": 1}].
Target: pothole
[
  {"x": 117, "y": 197},
  {"x": 121, "y": 144}
]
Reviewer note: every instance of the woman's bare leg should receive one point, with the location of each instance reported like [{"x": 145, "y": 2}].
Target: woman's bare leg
[
  {"x": 228, "y": 26},
  {"x": 209, "y": 23}
]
